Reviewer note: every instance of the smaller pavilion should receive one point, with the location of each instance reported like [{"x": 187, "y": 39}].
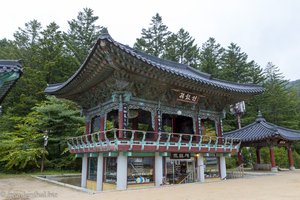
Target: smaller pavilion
[
  {"x": 264, "y": 134},
  {"x": 10, "y": 72}
]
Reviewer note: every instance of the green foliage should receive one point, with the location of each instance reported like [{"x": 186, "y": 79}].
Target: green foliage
[
  {"x": 23, "y": 148},
  {"x": 181, "y": 48},
  {"x": 210, "y": 57},
  {"x": 154, "y": 39},
  {"x": 295, "y": 85},
  {"x": 49, "y": 55},
  {"x": 82, "y": 33}
]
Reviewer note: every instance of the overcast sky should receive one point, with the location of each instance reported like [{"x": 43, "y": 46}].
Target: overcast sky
[{"x": 267, "y": 30}]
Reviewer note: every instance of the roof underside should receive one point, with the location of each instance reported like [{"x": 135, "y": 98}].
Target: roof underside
[
  {"x": 108, "y": 55},
  {"x": 262, "y": 130},
  {"x": 10, "y": 72}
]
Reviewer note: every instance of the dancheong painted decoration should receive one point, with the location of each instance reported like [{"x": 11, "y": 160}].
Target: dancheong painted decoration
[{"x": 141, "y": 111}]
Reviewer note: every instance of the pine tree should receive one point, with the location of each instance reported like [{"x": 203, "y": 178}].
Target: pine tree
[
  {"x": 210, "y": 57},
  {"x": 153, "y": 40},
  {"x": 278, "y": 104},
  {"x": 82, "y": 34},
  {"x": 180, "y": 48},
  {"x": 234, "y": 65},
  {"x": 58, "y": 66}
]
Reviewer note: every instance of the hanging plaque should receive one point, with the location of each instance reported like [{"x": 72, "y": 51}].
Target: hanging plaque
[
  {"x": 187, "y": 97},
  {"x": 180, "y": 155}
]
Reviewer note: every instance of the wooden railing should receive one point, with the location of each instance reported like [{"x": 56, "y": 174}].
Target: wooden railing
[{"x": 113, "y": 139}]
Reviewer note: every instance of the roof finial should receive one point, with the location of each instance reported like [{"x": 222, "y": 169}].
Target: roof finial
[
  {"x": 260, "y": 117},
  {"x": 259, "y": 114}
]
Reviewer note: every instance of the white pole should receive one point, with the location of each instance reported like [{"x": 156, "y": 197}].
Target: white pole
[
  {"x": 158, "y": 169},
  {"x": 84, "y": 170},
  {"x": 223, "y": 167},
  {"x": 100, "y": 172},
  {"x": 121, "y": 172},
  {"x": 200, "y": 167}
]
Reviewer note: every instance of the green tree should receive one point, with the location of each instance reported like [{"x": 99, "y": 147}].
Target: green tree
[
  {"x": 29, "y": 89},
  {"x": 61, "y": 119},
  {"x": 23, "y": 148},
  {"x": 83, "y": 32},
  {"x": 8, "y": 50},
  {"x": 57, "y": 64},
  {"x": 153, "y": 40},
  {"x": 278, "y": 104},
  {"x": 27, "y": 41},
  {"x": 181, "y": 48},
  {"x": 210, "y": 57},
  {"x": 234, "y": 65}
]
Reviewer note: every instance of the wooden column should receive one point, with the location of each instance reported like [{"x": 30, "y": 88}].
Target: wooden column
[
  {"x": 197, "y": 129},
  {"x": 258, "y": 160},
  {"x": 240, "y": 157},
  {"x": 290, "y": 156},
  {"x": 219, "y": 131},
  {"x": 272, "y": 159},
  {"x": 102, "y": 127},
  {"x": 202, "y": 127}
]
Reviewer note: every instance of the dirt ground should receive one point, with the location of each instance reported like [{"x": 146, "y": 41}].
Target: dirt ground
[{"x": 284, "y": 185}]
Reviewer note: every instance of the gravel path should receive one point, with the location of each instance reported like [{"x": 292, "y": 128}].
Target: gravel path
[{"x": 284, "y": 185}]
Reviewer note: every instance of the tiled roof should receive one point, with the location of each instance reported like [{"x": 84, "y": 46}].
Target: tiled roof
[
  {"x": 10, "y": 71},
  {"x": 178, "y": 69},
  {"x": 261, "y": 130}
]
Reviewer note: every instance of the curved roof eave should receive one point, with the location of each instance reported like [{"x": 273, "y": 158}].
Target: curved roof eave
[
  {"x": 261, "y": 130},
  {"x": 164, "y": 65}
]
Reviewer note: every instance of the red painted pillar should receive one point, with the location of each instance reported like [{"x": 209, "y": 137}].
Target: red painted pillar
[
  {"x": 258, "y": 159},
  {"x": 197, "y": 130},
  {"x": 290, "y": 156},
  {"x": 240, "y": 157},
  {"x": 272, "y": 159},
  {"x": 239, "y": 125},
  {"x": 121, "y": 122},
  {"x": 102, "y": 127},
  {"x": 220, "y": 134},
  {"x": 202, "y": 127}
]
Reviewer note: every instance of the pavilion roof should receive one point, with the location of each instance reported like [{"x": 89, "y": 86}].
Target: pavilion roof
[
  {"x": 10, "y": 72},
  {"x": 162, "y": 67},
  {"x": 262, "y": 130}
]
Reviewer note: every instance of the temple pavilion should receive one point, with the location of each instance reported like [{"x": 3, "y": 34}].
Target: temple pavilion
[
  {"x": 260, "y": 134},
  {"x": 10, "y": 72},
  {"x": 149, "y": 121}
]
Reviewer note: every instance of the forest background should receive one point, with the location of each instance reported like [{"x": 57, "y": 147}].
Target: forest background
[{"x": 49, "y": 55}]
